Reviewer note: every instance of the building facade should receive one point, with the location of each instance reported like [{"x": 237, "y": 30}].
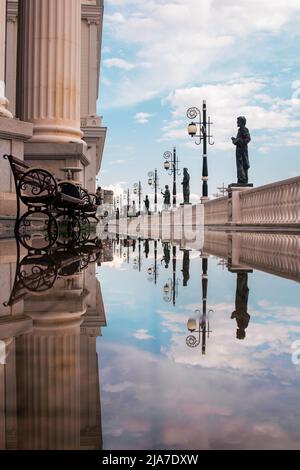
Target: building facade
[{"x": 50, "y": 54}]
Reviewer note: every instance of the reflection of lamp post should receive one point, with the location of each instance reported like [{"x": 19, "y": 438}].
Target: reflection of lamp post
[
  {"x": 171, "y": 287},
  {"x": 137, "y": 262},
  {"x": 171, "y": 165},
  {"x": 201, "y": 130},
  {"x": 153, "y": 270},
  {"x": 153, "y": 181},
  {"x": 137, "y": 189},
  {"x": 202, "y": 329}
]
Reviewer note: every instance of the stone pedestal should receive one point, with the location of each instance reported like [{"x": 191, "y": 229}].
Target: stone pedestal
[
  {"x": 55, "y": 156},
  {"x": 234, "y": 216}
]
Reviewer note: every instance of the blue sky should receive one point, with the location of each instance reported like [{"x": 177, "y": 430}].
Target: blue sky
[{"x": 161, "y": 57}]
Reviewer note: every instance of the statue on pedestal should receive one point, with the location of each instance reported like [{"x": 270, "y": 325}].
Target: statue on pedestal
[
  {"x": 167, "y": 197},
  {"x": 241, "y": 142},
  {"x": 186, "y": 186}
]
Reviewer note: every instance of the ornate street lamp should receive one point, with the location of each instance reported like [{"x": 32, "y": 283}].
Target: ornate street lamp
[
  {"x": 201, "y": 131},
  {"x": 153, "y": 182},
  {"x": 137, "y": 190},
  {"x": 171, "y": 165},
  {"x": 126, "y": 197}
]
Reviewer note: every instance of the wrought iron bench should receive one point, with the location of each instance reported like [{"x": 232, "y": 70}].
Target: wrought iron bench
[{"x": 49, "y": 201}]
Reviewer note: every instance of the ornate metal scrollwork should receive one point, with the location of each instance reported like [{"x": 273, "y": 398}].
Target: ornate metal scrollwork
[
  {"x": 192, "y": 341},
  {"x": 37, "y": 187},
  {"x": 168, "y": 155},
  {"x": 193, "y": 112}
]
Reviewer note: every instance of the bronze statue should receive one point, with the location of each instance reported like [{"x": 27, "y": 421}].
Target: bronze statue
[
  {"x": 167, "y": 197},
  {"x": 241, "y": 142},
  {"x": 186, "y": 186},
  {"x": 240, "y": 314}
]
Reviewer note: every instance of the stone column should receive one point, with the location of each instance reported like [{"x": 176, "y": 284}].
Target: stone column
[
  {"x": 49, "y": 69},
  {"x": 3, "y": 100}
]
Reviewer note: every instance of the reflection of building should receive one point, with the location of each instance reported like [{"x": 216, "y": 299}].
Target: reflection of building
[
  {"x": 49, "y": 386},
  {"x": 50, "y": 65}
]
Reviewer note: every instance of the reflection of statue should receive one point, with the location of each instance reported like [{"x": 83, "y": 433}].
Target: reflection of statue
[
  {"x": 186, "y": 186},
  {"x": 241, "y": 301},
  {"x": 146, "y": 246},
  {"x": 167, "y": 256},
  {"x": 241, "y": 142},
  {"x": 186, "y": 267}
]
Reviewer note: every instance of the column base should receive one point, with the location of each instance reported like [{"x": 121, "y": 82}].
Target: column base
[{"x": 57, "y": 133}]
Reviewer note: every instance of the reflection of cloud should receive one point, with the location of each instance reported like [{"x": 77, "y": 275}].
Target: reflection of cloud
[
  {"x": 169, "y": 405},
  {"x": 117, "y": 388},
  {"x": 142, "y": 334},
  {"x": 266, "y": 338}
]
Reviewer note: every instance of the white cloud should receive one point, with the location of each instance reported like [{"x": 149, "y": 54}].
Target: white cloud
[
  {"x": 184, "y": 40},
  {"x": 142, "y": 335},
  {"x": 142, "y": 118},
  {"x": 228, "y": 100},
  {"x": 118, "y": 63},
  {"x": 120, "y": 161}
]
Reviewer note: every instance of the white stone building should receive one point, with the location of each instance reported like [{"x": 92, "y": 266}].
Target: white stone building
[{"x": 49, "y": 81}]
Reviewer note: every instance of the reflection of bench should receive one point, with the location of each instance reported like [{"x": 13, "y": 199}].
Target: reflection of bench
[
  {"x": 37, "y": 272},
  {"x": 49, "y": 200}
]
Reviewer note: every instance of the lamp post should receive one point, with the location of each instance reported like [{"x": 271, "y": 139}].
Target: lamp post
[
  {"x": 201, "y": 131},
  {"x": 171, "y": 165},
  {"x": 223, "y": 190},
  {"x": 153, "y": 182},
  {"x": 171, "y": 287},
  {"x": 126, "y": 197},
  {"x": 137, "y": 189}
]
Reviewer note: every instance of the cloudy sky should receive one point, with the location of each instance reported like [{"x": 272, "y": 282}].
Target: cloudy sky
[
  {"x": 162, "y": 56},
  {"x": 158, "y": 393}
]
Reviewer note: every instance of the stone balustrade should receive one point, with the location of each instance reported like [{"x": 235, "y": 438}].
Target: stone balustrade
[
  {"x": 216, "y": 211},
  {"x": 275, "y": 204}
]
